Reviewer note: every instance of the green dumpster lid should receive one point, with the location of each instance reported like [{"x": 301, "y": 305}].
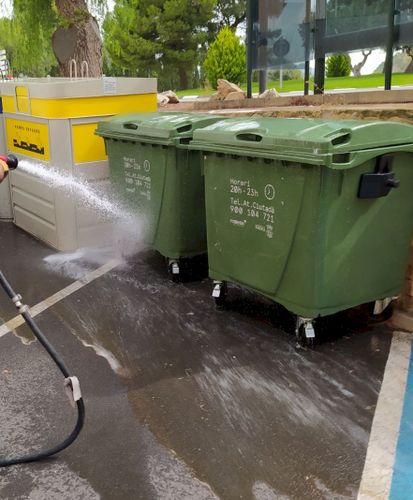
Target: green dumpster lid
[
  {"x": 153, "y": 127},
  {"x": 334, "y": 143}
]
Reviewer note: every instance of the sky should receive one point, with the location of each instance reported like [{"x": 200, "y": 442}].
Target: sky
[
  {"x": 5, "y": 8},
  {"x": 376, "y": 57},
  {"x": 373, "y": 61}
]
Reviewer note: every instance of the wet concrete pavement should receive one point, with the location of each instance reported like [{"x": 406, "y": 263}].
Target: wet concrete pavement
[{"x": 182, "y": 400}]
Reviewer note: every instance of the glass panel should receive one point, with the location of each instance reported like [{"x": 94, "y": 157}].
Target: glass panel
[
  {"x": 352, "y": 24},
  {"x": 349, "y": 16},
  {"x": 282, "y": 35},
  {"x": 404, "y": 21}
]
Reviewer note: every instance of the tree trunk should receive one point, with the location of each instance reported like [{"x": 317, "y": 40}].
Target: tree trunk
[
  {"x": 183, "y": 78},
  {"x": 356, "y": 70},
  {"x": 88, "y": 46}
]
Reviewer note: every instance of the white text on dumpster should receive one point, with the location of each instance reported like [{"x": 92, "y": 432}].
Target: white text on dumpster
[
  {"x": 244, "y": 203},
  {"x": 137, "y": 177}
]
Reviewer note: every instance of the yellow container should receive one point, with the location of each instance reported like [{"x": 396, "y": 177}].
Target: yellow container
[{"x": 52, "y": 120}]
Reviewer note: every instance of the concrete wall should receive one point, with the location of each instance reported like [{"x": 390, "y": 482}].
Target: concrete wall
[{"x": 346, "y": 99}]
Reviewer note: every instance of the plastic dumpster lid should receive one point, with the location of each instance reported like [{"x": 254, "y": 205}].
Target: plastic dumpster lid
[
  {"x": 153, "y": 127},
  {"x": 334, "y": 143}
]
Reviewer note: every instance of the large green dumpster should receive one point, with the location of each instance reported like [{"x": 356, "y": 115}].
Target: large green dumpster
[
  {"x": 160, "y": 178},
  {"x": 317, "y": 215}
]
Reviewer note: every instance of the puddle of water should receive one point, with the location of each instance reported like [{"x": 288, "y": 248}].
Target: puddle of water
[
  {"x": 76, "y": 264},
  {"x": 24, "y": 334},
  {"x": 262, "y": 491}
]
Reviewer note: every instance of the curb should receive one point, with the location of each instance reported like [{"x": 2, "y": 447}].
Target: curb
[{"x": 402, "y": 320}]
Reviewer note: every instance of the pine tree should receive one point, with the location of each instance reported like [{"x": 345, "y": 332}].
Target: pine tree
[{"x": 158, "y": 38}]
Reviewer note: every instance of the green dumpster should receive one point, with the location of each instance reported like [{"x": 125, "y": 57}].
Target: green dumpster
[
  {"x": 316, "y": 215},
  {"x": 157, "y": 176}
]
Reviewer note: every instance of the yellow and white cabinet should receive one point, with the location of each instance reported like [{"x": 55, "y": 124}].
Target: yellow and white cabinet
[{"x": 52, "y": 120}]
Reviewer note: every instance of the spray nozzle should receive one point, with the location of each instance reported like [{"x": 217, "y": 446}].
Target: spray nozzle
[{"x": 11, "y": 161}]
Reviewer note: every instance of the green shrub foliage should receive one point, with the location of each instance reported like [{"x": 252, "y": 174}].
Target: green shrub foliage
[
  {"x": 226, "y": 58},
  {"x": 338, "y": 65}
]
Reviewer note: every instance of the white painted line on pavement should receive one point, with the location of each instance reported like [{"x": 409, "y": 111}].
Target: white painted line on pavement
[
  {"x": 381, "y": 450},
  {"x": 58, "y": 296}
]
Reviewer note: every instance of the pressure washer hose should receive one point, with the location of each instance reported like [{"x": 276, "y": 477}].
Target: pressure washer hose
[{"x": 70, "y": 382}]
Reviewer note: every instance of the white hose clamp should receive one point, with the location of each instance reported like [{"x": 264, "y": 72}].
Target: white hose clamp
[
  {"x": 17, "y": 301},
  {"x": 17, "y": 298},
  {"x": 72, "y": 387}
]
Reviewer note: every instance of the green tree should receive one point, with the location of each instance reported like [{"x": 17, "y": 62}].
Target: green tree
[
  {"x": 69, "y": 20},
  {"x": 131, "y": 38},
  {"x": 231, "y": 13},
  {"x": 182, "y": 34},
  {"x": 158, "y": 38},
  {"x": 338, "y": 65},
  {"x": 226, "y": 58},
  {"x": 24, "y": 56}
]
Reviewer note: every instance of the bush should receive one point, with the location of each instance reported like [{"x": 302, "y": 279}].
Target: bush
[
  {"x": 338, "y": 65},
  {"x": 226, "y": 59},
  {"x": 288, "y": 74}
]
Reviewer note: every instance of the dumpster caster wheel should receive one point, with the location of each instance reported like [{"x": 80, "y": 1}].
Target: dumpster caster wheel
[
  {"x": 382, "y": 310},
  {"x": 310, "y": 342},
  {"x": 219, "y": 293},
  {"x": 174, "y": 270},
  {"x": 305, "y": 333}
]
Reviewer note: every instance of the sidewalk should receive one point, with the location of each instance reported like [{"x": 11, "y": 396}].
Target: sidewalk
[
  {"x": 402, "y": 481},
  {"x": 388, "y": 470}
]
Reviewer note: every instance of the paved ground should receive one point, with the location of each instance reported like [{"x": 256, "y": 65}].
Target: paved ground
[{"x": 183, "y": 401}]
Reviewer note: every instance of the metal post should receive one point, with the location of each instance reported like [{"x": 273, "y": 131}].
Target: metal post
[
  {"x": 263, "y": 20},
  {"x": 307, "y": 48},
  {"x": 306, "y": 77},
  {"x": 262, "y": 81},
  {"x": 320, "y": 61},
  {"x": 249, "y": 48},
  {"x": 388, "y": 65}
]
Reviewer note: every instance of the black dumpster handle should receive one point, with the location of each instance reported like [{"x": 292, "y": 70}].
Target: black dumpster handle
[
  {"x": 251, "y": 137},
  {"x": 131, "y": 126}
]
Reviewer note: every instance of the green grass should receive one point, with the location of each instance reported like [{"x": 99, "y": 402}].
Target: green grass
[{"x": 367, "y": 81}]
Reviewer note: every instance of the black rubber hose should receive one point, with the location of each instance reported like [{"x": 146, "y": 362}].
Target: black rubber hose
[{"x": 34, "y": 457}]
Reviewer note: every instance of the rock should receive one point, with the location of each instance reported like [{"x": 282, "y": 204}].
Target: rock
[
  {"x": 269, "y": 93},
  {"x": 235, "y": 96},
  {"x": 172, "y": 97},
  {"x": 162, "y": 100},
  {"x": 224, "y": 89}
]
